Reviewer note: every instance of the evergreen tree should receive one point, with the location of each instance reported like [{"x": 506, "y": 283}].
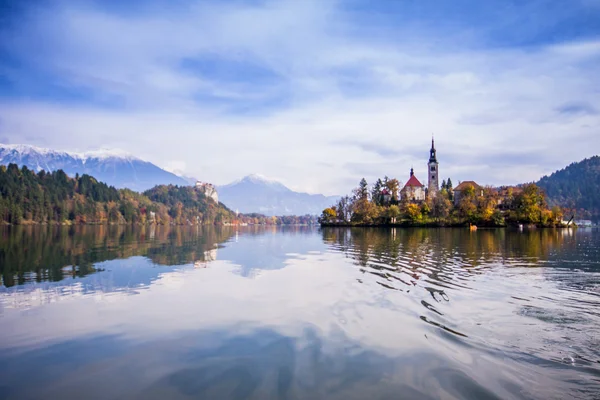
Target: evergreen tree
[
  {"x": 577, "y": 187},
  {"x": 363, "y": 189},
  {"x": 376, "y": 191},
  {"x": 450, "y": 189}
]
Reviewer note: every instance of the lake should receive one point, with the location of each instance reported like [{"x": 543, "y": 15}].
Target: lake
[{"x": 298, "y": 313}]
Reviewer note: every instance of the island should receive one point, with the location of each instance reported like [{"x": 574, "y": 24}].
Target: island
[{"x": 467, "y": 204}]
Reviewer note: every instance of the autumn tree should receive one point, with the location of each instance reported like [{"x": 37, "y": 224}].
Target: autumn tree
[
  {"x": 557, "y": 214},
  {"x": 425, "y": 209},
  {"x": 413, "y": 212},
  {"x": 393, "y": 212},
  {"x": 467, "y": 207},
  {"x": 441, "y": 206},
  {"x": 364, "y": 211},
  {"x": 393, "y": 185},
  {"x": 328, "y": 215},
  {"x": 530, "y": 204},
  {"x": 486, "y": 204}
]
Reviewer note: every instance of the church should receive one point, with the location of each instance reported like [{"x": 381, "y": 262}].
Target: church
[{"x": 414, "y": 190}]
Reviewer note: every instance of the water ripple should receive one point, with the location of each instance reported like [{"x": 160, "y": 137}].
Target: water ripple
[{"x": 529, "y": 294}]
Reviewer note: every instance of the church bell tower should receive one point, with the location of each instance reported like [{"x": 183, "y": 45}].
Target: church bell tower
[{"x": 433, "y": 170}]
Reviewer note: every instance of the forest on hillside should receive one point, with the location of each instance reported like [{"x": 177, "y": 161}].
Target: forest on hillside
[
  {"x": 576, "y": 188},
  {"x": 27, "y": 197}
]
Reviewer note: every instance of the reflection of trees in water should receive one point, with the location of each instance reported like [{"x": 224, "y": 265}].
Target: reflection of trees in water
[
  {"x": 440, "y": 254},
  {"x": 55, "y": 253},
  {"x": 38, "y": 253},
  {"x": 471, "y": 248},
  {"x": 436, "y": 264},
  {"x": 187, "y": 245}
]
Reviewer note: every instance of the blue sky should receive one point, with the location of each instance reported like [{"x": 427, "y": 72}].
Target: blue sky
[{"x": 316, "y": 94}]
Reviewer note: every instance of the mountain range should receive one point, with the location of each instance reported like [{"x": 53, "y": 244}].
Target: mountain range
[
  {"x": 252, "y": 194},
  {"x": 115, "y": 168},
  {"x": 258, "y": 194},
  {"x": 577, "y": 186}
]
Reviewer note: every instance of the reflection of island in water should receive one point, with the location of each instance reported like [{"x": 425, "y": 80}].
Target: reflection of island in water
[
  {"x": 442, "y": 258},
  {"x": 470, "y": 249},
  {"x": 37, "y": 254},
  {"x": 543, "y": 275}
]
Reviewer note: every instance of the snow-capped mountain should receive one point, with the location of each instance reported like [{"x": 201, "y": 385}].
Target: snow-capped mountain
[
  {"x": 115, "y": 167},
  {"x": 258, "y": 194}
]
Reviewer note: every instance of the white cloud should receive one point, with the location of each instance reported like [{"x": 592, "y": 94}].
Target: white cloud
[
  {"x": 493, "y": 111},
  {"x": 175, "y": 166}
]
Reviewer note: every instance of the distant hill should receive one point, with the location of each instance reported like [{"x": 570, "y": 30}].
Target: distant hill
[
  {"x": 577, "y": 186},
  {"x": 113, "y": 167},
  {"x": 189, "y": 197},
  {"x": 258, "y": 194},
  {"x": 28, "y": 197}
]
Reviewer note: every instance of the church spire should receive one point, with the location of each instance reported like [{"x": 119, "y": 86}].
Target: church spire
[
  {"x": 433, "y": 170},
  {"x": 432, "y": 155}
]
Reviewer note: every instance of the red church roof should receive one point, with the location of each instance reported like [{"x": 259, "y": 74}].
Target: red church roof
[{"x": 413, "y": 181}]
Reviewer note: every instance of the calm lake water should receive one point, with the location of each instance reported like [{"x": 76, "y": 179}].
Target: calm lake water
[{"x": 298, "y": 313}]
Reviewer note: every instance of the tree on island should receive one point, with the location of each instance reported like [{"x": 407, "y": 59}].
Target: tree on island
[
  {"x": 450, "y": 189},
  {"x": 343, "y": 209},
  {"x": 362, "y": 192},
  {"x": 441, "y": 206},
  {"x": 531, "y": 205},
  {"x": 393, "y": 212},
  {"x": 393, "y": 185},
  {"x": 376, "y": 192},
  {"x": 328, "y": 215}
]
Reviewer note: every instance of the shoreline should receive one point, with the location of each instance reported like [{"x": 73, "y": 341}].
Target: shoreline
[
  {"x": 440, "y": 225},
  {"x": 69, "y": 223}
]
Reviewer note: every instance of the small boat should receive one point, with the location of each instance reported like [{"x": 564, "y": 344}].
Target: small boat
[{"x": 473, "y": 227}]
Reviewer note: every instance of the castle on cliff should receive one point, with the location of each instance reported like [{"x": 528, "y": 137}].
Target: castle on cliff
[{"x": 209, "y": 190}]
